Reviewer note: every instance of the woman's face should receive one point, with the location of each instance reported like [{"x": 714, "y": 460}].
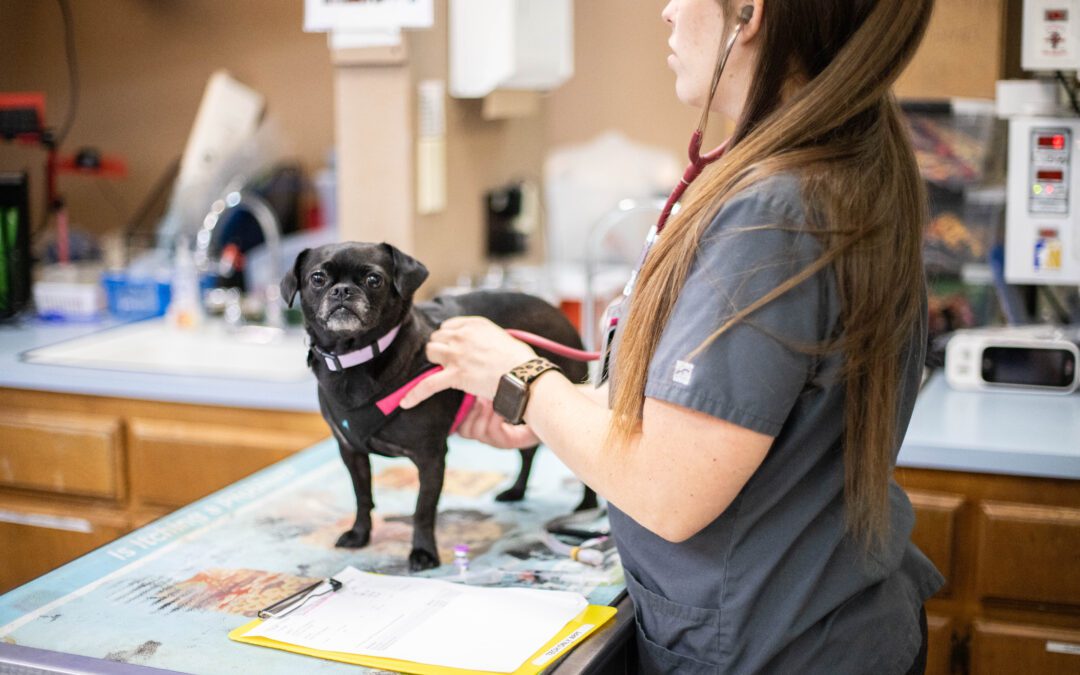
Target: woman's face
[{"x": 697, "y": 35}]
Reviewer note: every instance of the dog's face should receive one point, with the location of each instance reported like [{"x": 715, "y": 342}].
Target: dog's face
[{"x": 348, "y": 290}]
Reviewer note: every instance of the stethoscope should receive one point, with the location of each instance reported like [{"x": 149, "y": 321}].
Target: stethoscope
[{"x": 698, "y": 162}]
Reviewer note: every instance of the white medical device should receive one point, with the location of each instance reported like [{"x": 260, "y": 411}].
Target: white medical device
[
  {"x": 1051, "y": 37},
  {"x": 1024, "y": 358},
  {"x": 1042, "y": 219}
]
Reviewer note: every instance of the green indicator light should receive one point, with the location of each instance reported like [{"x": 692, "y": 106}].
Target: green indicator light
[{"x": 1037, "y": 189}]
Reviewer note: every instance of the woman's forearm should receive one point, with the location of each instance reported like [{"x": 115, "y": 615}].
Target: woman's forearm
[
  {"x": 673, "y": 477},
  {"x": 574, "y": 425}
]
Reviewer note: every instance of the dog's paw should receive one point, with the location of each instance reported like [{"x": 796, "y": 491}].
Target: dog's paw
[
  {"x": 512, "y": 495},
  {"x": 420, "y": 560},
  {"x": 353, "y": 539}
]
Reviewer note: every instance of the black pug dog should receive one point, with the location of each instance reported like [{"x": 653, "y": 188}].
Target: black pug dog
[{"x": 367, "y": 341}]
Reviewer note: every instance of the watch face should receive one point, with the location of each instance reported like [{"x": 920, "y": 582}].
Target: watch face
[{"x": 510, "y": 399}]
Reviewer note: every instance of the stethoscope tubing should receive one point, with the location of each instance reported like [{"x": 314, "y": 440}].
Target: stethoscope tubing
[{"x": 698, "y": 162}]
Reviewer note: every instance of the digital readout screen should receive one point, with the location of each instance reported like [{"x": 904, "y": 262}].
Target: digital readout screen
[
  {"x": 1057, "y": 141},
  {"x": 1042, "y": 367},
  {"x": 1050, "y": 175}
]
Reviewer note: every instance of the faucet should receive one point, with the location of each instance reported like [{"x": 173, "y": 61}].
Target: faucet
[{"x": 271, "y": 231}]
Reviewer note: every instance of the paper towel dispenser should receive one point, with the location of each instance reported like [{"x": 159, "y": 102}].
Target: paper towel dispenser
[{"x": 510, "y": 44}]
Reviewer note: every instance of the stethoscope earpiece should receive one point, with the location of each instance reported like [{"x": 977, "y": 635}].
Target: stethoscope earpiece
[{"x": 746, "y": 13}]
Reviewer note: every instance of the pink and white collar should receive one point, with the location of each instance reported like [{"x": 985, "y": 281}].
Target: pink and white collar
[{"x": 335, "y": 362}]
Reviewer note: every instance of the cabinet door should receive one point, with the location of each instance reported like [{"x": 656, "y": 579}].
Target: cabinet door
[
  {"x": 175, "y": 463},
  {"x": 63, "y": 452},
  {"x": 939, "y": 634},
  {"x": 1029, "y": 553},
  {"x": 1007, "y": 649},
  {"x": 935, "y": 530},
  {"x": 36, "y": 538}
]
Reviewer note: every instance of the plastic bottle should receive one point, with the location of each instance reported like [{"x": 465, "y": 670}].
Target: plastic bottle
[
  {"x": 461, "y": 559},
  {"x": 185, "y": 306}
]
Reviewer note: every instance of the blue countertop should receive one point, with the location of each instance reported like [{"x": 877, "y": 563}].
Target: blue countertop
[
  {"x": 993, "y": 432},
  {"x": 16, "y": 339}
]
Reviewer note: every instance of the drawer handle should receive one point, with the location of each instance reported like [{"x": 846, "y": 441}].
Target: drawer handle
[
  {"x": 44, "y": 520},
  {"x": 1063, "y": 648}
]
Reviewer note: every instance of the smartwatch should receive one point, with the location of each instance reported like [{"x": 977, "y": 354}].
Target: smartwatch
[{"x": 513, "y": 393}]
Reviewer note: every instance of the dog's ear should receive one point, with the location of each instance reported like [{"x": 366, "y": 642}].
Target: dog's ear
[
  {"x": 409, "y": 272},
  {"x": 290, "y": 283}
]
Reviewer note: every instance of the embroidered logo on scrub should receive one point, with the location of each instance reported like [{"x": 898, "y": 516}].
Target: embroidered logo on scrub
[{"x": 683, "y": 372}]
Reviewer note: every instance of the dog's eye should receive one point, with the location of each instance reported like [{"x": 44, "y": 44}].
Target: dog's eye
[
  {"x": 317, "y": 279},
  {"x": 373, "y": 281}
]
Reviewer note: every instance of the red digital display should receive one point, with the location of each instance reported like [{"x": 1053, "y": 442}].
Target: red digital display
[
  {"x": 1057, "y": 141},
  {"x": 1057, "y": 15},
  {"x": 1050, "y": 175}
]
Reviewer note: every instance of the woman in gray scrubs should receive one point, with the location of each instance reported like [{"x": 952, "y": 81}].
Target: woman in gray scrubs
[{"x": 765, "y": 364}]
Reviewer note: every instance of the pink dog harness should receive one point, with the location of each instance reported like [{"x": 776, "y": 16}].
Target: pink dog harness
[{"x": 389, "y": 404}]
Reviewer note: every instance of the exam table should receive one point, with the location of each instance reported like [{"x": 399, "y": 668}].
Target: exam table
[{"x": 164, "y": 597}]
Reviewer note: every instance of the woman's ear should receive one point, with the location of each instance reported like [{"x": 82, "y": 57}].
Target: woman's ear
[{"x": 751, "y": 13}]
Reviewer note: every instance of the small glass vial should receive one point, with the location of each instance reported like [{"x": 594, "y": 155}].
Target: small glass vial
[{"x": 461, "y": 559}]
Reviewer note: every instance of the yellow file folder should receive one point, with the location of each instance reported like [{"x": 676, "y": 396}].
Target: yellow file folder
[{"x": 569, "y": 637}]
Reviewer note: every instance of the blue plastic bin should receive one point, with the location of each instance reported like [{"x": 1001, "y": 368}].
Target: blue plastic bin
[{"x": 129, "y": 298}]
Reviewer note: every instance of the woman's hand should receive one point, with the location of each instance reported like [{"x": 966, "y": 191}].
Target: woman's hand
[
  {"x": 484, "y": 425},
  {"x": 474, "y": 354}
]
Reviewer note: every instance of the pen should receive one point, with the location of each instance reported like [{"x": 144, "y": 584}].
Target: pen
[{"x": 283, "y": 607}]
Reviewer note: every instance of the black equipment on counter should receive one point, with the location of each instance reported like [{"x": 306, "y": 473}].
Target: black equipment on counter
[{"x": 14, "y": 243}]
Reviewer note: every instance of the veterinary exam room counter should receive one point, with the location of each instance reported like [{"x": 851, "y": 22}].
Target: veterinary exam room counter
[
  {"x": 1016, "y": 434},
  {"x": 992, "y": 478},
  {"x": 88, "y": 455}
]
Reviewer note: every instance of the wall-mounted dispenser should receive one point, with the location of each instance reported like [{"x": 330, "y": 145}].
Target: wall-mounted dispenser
[{"x": 510, "y": 45}]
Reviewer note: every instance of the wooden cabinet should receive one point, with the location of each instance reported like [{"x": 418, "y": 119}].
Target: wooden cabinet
[
  {"x": 1009, "y": 548},
  {"x": 213, "y": 455},
  {"x": 1004, "y": 649},
  {"x": 76, "y": 472},
  {"x": 1028, "y": 554},
  {"x": 66, "y": 453},
  {"x": 37, "y": 535}
]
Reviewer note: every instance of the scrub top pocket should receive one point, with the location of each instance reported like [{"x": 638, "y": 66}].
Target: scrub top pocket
[{"x": 673, "y": 637}]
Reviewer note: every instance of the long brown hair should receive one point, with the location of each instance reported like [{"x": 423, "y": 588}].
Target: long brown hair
[{"x": 820, "y": 104}]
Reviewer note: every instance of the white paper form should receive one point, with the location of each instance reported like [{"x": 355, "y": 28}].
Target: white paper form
[{"x": 427, "y": 621}]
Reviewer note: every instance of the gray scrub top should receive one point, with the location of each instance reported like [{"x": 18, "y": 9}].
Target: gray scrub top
[{"x": 774, "y": 584}]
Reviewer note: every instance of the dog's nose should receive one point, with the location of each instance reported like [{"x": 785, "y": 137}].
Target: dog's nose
[{"x": 341, "y": 292}]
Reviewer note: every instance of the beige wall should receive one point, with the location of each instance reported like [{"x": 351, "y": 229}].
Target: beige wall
[{"x": 144, "y": 64}]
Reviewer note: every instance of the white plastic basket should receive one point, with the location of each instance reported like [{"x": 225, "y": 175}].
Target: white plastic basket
[{"x": 68, "y": 299}]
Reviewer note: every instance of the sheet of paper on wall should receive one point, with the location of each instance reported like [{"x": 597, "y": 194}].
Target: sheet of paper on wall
[{"x": 427, "y": 621}]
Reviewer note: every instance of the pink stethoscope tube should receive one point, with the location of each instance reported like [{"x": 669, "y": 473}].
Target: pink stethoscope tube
[
  {"x": 698, "y": 161},
  {"x": 553, "y": 347}
]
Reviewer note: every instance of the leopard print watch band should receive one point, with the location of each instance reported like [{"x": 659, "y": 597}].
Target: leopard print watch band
[{"x": 532, "y": 369}]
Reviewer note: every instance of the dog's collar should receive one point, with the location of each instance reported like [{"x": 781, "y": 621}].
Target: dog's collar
[{"x": 348, "y": 360}]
